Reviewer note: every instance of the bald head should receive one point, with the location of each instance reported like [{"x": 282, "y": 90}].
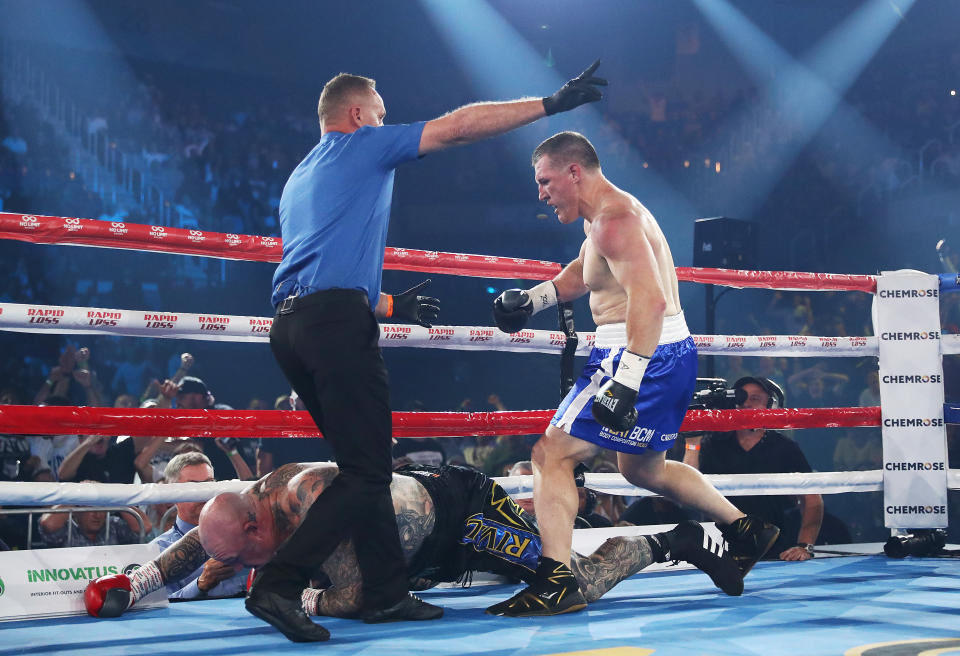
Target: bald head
[{"x": 224, "y": 522}]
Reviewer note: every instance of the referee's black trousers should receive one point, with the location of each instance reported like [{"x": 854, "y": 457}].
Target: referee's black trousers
[{"x": 327, "y": 346}]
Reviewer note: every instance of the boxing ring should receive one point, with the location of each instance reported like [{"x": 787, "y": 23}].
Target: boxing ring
[
  {"x": 840, "y": 604},
  {"x": 823, "y": 606}
]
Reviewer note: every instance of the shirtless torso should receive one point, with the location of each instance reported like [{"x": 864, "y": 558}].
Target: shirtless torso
[{"x": 622, "y": 212}]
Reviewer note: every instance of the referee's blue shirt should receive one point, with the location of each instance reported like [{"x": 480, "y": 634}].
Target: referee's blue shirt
[{"x": 335, "y": 209}]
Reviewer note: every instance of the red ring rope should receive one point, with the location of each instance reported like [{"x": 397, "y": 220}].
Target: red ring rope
[
  {"x": 56, "y": 420},
  {"x": 90, "y": 232}
]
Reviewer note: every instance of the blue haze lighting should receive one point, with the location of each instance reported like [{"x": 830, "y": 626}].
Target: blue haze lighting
[
  {"x": 503, "y": 65},
  {"x": 803, "y": 94}
]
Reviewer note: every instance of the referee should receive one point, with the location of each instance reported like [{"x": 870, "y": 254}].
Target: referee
[{"x": 334, "y": 213}]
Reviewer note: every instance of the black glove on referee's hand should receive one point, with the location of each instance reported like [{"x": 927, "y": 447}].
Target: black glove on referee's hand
[
  {"x": 581, "y": 89},
  {"x": 422, "y": 310}
]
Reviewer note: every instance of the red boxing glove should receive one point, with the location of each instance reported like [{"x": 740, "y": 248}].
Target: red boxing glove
[{"x": 107, "y": 596}]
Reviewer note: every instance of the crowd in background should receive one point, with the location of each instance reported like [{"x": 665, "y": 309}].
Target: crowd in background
[{"x": 227, "y": 163}]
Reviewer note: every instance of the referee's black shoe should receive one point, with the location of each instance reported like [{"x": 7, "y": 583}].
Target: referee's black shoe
[
  {"x": 749, "y": 539},
  {"x": 410, "y": 608},
  {"x": 285, "y": 615},
  {"x": 554, "y": 592},
  {"x": 688, "y": 541}
]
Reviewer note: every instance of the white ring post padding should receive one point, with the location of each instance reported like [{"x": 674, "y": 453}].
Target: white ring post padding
[
  {"x": 65, "y": 320},
  {"x": 950, "y": 344},
  {"x": 103, "y": 494}
]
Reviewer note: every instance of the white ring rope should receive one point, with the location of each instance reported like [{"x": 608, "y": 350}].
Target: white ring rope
[
  {"x": 101, "y": 494},
  {"x": 56, "y": 319}
]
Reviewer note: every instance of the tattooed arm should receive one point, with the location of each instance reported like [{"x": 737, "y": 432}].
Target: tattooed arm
[
  {"x": 177, "y": 562},
  {"x": 182, "y": 558},
  {"x": 616, "y": 559},
  {"x": 415, "y": 521},
  {"x": 343, "y": 597}
]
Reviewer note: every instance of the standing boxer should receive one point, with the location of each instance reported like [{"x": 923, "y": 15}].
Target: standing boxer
[{"x": 633, "y": 393}]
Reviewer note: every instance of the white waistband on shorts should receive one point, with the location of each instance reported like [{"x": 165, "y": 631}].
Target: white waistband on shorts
[{"x": 614, "y": 335}]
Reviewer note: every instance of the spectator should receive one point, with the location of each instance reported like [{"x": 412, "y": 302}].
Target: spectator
[
  {"x": 523, "y": 468},
  {"x": 14, "y": 449},
  {"x": 870, "y": 396},
  {"x": 858, "y": 450},
  {"x": 474, "y": 451},
  {"x": 109, "y": 460},
  {"x": 213, "y": 579},
  {"x": 49, "y": 451},
  {"x": 813, "y": 386},
  {"x": 73, "y": 367},
  {"x": 418, "y": 451},
  {"x": 126, "y": 401},
  {"x": 191, "y": 393},
  {"x": 759, "y": 451},
  {"x": 274, "y": 452},
  {"x": 163, "y": 394},
  {"x": 609, "y": 507},
  {"x": 587, "y": 517},
  {"x": 10, "y": 396},
  {"x": 90, "y": 528}
]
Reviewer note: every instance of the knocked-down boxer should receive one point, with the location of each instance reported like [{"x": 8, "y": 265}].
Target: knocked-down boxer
[{"x": 451, "y": 521}]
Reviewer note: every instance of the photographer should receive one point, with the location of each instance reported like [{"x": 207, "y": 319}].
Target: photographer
[{"x": 760, "y": 451}]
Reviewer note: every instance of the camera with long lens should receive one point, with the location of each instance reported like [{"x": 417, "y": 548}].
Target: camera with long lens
[
  {"x": 919, "y": 542},
  {"x": 713, "y": 394}
]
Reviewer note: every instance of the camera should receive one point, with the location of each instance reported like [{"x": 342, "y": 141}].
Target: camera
[
  {"x": 713, "y": 394},
  {"x": 919, "y": 542}
]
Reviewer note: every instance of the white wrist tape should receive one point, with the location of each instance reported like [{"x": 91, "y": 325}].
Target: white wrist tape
[
  {"x": 543, "y": 295},
  {"x": 310, "y": 597},
  {"x": 145, "y": 580},
  {"x": 631, "y": 368}
]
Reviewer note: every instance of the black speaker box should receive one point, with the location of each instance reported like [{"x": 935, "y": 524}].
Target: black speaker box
[{"x": 723, "y": 243}]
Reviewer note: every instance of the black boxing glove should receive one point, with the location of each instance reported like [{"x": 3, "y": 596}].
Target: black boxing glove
[
  {"x": 613, "y": 404},
  {"x": 514, "y": 307},
  {"x": 578, "y": 91},
  {"x": 421, "y": 310}
]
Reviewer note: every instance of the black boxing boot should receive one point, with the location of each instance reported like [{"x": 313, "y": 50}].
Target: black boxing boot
[
  {"x": 689, "y": 542},
  {"x": 749, "y": 539},
  {"x": 554, "y": 592},
  {"x": 268, "y": 601}
]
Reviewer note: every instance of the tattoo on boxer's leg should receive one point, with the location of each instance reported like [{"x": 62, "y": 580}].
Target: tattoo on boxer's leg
[{"x": 616, "y": 559}]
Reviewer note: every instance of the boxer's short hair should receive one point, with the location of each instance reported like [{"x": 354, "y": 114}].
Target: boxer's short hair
[
  {"x": 339, "y": 91},
  {"x": 565, "y": 147}
]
